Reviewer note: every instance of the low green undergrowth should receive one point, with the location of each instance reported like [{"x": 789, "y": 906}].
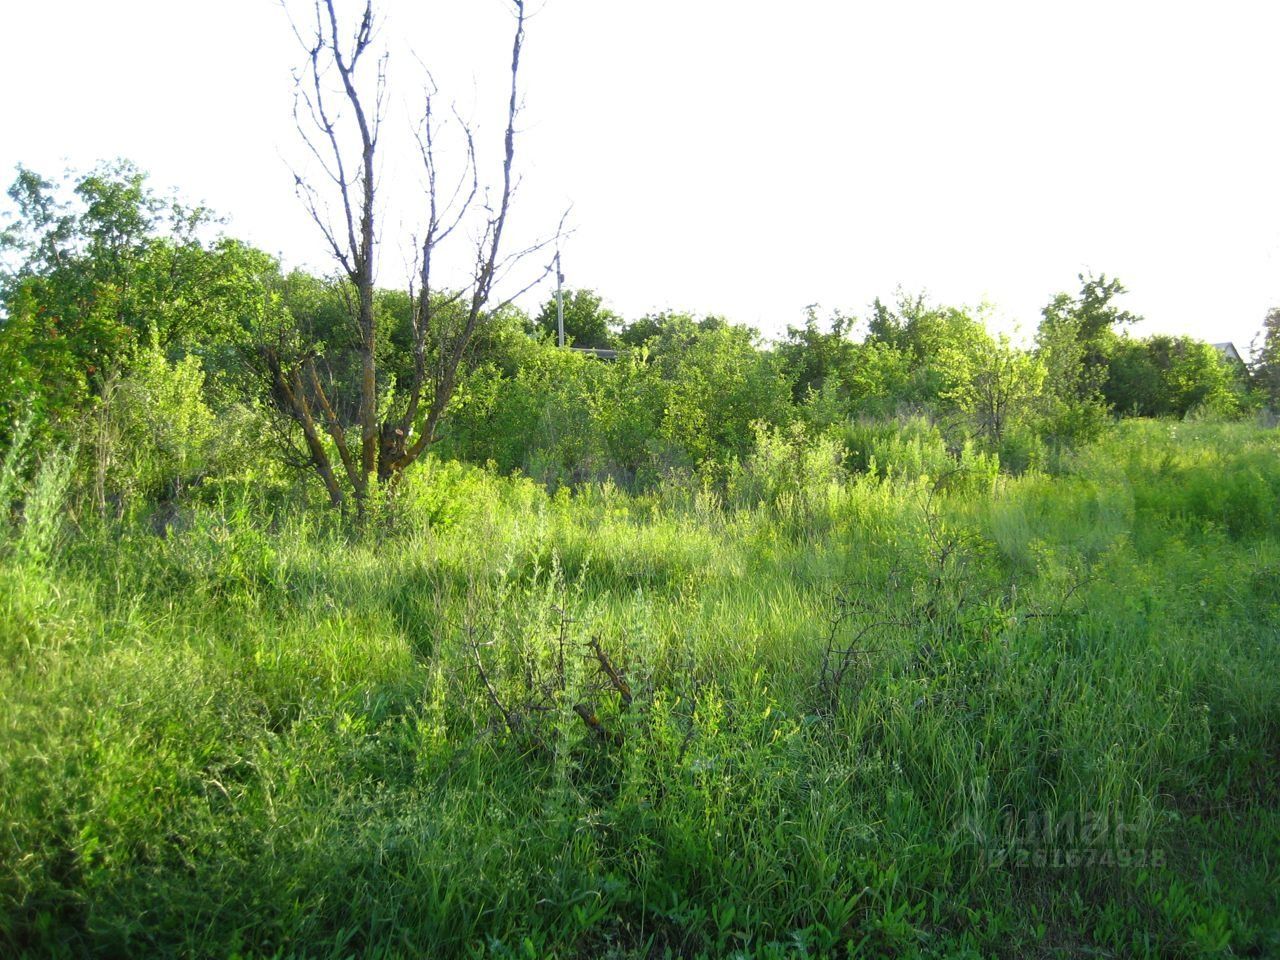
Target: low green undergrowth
[{"x": 907, "y": 712}]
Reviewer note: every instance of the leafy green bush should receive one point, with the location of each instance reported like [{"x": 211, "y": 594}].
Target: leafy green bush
[
  {"x": 1021, "y": 449},
  {"x": 152, "y": 432},
  {"x": 787, "y": 464},
  {"x": 1171, "y": 376},
  {"x": 898, "y": 449},
  {"x": 33, "y": 498}
]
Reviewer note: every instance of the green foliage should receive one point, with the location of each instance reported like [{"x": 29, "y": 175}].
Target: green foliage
[
  {"x": 920, "y": 329},
  {"x": 883, "y": 379},
  {"x": 1266, "y": 360},
  {"x": 95, "y": 278},
  {"x": 262, "y": 734},
  {"x": 908, "y": 353},
  {"x": 560, "y": 416},
  {"x": 1072, "y": 410},
  {"x": 1021, "y": 449},
  {"x": 587, "y": 322},
  {"x": 1171, "y": 376},
  {"x": 909, "y": 449},
  {"x": 913, "y": 451},
  {"x": 830, "y": 648},
  {"x": 1093, "y": 320},
  {"x": 45, "y": 368},
  {"x": 563, "y": 417},
  {"x": 813, "y": 359},
  {"x": 33, "y": 500},
  {"x": 716, "y": 385},
  {"x": 152, "y": 433},
  {"x": 1201, "y": 476},
  {"x": 995, "y": 386},
  {"x": 788, "y": 468},
  {"x": 668, "y": 325}
]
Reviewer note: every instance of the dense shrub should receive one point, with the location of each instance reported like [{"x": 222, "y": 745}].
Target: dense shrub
[
  {"x": 787, "y": 466},
  {"x": 1171, "y": 376}
]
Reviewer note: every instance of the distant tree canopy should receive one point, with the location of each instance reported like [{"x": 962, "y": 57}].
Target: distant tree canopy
[
  {"x": 813, "y": 357},
  {"x": 1092, "y": 315},
  {"x": 100, "y": 268},
  {"x": 666, "y": 330},
  {"x": 130, "y": 327},
  {"x": 919, "y": 329},
  {"x": 1169, "y": 376},
  {"x": 587, "y": 322}
]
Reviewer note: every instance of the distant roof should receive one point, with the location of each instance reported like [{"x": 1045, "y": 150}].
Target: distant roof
[{"x": 1228, "y": 350}]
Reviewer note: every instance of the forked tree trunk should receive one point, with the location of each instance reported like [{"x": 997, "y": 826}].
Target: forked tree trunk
[{"x": 388, "y": 448}]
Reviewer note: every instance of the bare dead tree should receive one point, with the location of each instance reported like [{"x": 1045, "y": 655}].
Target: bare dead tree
[{"x": 339, "y": 122}]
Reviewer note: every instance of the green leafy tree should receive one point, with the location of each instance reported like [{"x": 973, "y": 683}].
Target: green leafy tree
[
  {"x": 587, "y": 322},
  {"x": 813, "y": 358},
  {"x": 717, "y": 382},
  {"x": 560, "y": 416},
  {"x": 67, "y": 286},
  {"x": 1197, "y": 376},
  {"x": 1266, "y": 358},
  {"x": 920, "y": 336},
  {"x": 994, "y": 384},
  {"x": 921, "y": 329},
  {"x": 1170, "y": 376},
  {"x": 882, "y": 378},
  {"x": 666, "y": 330},
  {"x": 1134, "y": 383},
  {"x": 642, "y": 332},
  {"x": 1073, "y": 409},
  {"x": 153, "y": 432},
  {"x": 99, "y": 268},
  {"x": 1081, "y": 331}
]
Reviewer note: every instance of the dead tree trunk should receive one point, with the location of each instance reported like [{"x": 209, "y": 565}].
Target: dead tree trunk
[{"x": 339, "y": 122}]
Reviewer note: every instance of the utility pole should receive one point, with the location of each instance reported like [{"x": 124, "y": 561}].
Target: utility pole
[{"x": 559, "y": 303}]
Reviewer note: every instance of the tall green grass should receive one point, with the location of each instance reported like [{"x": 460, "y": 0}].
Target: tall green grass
[{"x": 265, "y": 734}]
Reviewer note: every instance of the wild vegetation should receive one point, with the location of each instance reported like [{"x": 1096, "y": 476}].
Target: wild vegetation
[
  {"x": 347, "y": 620},
  {"x": 922, "y": 710}
]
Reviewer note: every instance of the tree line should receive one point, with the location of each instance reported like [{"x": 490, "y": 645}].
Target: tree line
[{"x": 172, "y": 356}]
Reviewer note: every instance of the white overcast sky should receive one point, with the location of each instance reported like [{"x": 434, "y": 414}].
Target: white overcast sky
[{"x": 744, "y": 158}]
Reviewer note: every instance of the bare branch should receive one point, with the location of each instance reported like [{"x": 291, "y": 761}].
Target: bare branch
[{"x": 332, "y": 425}]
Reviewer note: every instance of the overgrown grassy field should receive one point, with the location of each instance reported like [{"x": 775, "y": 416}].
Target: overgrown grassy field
[{"x": 898, "y": 713}]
